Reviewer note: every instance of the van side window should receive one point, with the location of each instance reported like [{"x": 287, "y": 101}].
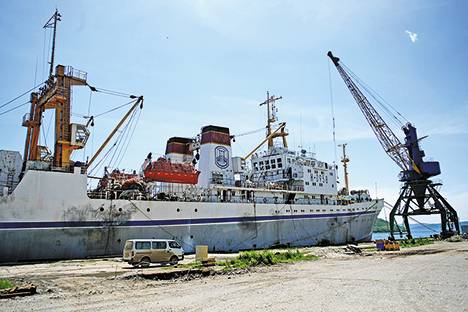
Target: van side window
[
  {"x": 174, "y": 245},
  {"x": 159, "y": 245},
  {"x": 142, "y": 245}
]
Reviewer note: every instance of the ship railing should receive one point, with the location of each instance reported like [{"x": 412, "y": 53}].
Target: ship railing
[
  {"x": 100, "y": 194},
  {"x": 76, "y": 73},
  {"x": 218, "y": 198}
]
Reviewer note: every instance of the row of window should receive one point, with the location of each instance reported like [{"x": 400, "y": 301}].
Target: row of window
[
  {"x": 315, "y": 184},
  {"x": 324, "y": 210},
  {"x": 315, "y": 171},
  {"x": 268, "y": 164},
  {"x": 155, "y": 245}
]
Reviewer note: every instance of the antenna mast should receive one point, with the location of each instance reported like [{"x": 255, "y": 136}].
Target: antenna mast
[
  {"x": 271, "y": 118},
  {"x": 345, "y": 161},
  {"x": 52, "y": 23}
]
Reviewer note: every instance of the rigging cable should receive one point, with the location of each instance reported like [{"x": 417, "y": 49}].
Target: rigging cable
[
  {"x": 21, "y": 95},
  {"x": 383, "y": 100},
  {"x": 116, "y": 93},
  {"x": 333, "y": 115},
  {"x": 98, "y": 166},
  {"x": 248, "y": 132},
  {"x": 113, "y": 109},
  {"x": 387, "y": 108},
  {"x": 372, "y": 93},
  {"x": 12, "y": 109},
  {"x": 122, "y": 141},
  {"x": 49, "y": 48},
  {"x": 130, "y": 139},
  {"x": 88, "y": 113},
  {"x": 115, "y": 145},
  {"x": 111, "y": 92}
]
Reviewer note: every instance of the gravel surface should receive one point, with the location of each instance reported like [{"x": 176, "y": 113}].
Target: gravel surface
[{"x": 426, "y": 278}]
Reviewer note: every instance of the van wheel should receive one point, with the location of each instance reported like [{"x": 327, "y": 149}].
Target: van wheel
[
  {"x": 174, "y": 260},
  {"x": 145, "y": 262}
]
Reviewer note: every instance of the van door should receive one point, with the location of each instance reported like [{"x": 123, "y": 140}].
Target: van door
[
  {"x": 127, "y": 253},
  {"x": 159, "y": 252},
  {"x": 142, "y": 250}
]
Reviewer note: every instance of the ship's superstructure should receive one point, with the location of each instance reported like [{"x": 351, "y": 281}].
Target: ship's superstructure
[{"x": 196, "y": 193}]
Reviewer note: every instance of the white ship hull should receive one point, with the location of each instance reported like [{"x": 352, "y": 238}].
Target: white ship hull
[{"x": 50, "y": 216}]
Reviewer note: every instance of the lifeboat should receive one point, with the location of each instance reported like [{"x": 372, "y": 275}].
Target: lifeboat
[{"x": 163, "y": 170}]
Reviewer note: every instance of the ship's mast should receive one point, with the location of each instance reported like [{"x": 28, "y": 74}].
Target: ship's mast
[
  {"x": 55, "y": 95},
  {"x": 345, "y": 161},
  {"x": 52, "y": 23},
  {"x": 271, "y": 118}
]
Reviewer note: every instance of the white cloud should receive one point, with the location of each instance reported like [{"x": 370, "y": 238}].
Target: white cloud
[{"x": 413, "y": 36}]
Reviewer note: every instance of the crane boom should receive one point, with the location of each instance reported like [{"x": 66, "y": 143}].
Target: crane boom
[
  {"x": 383, "y": 132},
  {"x": 418, "y": 195}
]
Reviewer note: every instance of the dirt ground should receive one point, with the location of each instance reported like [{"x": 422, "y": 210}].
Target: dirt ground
[{"x": 426, "y": 278}]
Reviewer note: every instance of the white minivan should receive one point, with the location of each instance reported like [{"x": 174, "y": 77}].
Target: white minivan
[{"x": 142, "y": 252}]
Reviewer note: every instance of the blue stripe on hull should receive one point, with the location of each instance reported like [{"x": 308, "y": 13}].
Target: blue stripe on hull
[
  {"x": 22, "y": 244},
  {"x": 72, "y": 224}
]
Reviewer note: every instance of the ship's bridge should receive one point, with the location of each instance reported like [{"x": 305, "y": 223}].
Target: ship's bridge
[{"x": 300, "y": 171}]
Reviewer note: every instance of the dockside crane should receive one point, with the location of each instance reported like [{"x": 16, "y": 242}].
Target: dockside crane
[{"x": 418, "y": 195}]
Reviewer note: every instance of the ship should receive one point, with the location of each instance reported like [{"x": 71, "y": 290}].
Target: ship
[{"x": 197, "y": 193}]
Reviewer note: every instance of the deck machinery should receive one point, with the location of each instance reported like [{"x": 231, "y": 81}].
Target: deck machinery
[{"x": 418, "y": 195}]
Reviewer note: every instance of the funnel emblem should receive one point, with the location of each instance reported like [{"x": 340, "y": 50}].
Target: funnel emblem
[{"x": 221, "y": 157}]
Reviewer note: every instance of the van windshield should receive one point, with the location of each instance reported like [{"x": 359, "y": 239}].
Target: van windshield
[
  {"x": 128, "y": 245},
  {"x": 174, "y": 244}
]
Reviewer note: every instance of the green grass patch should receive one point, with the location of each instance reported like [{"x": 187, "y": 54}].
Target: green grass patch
[
  {"x": 415, "y": 242},
  {"x": 4, "y": 283},
  {"x": 247, "y": 259}
]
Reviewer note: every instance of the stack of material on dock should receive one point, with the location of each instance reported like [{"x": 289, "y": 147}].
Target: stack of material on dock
[
  {"x": 385, "y": 245},
  {"x": 353, "y": 249},
  {"x": 17, "y": 291}
]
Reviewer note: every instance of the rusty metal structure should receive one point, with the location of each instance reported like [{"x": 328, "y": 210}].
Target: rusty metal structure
[{"x": 55, "y": 95}]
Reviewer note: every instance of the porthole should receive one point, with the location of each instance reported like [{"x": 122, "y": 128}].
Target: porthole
[
  {"x": 120, "y": 209},
  {"x": 191, "y": 236},
  {"x": 147, "y": 209},
  {"x": 178, "y": 210},
  {"x": 101, "y": 209},
  {"x": 196, "y": 210}
]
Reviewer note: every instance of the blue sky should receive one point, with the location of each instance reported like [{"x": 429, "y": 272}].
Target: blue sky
[{"x": 211, "y": 62}]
